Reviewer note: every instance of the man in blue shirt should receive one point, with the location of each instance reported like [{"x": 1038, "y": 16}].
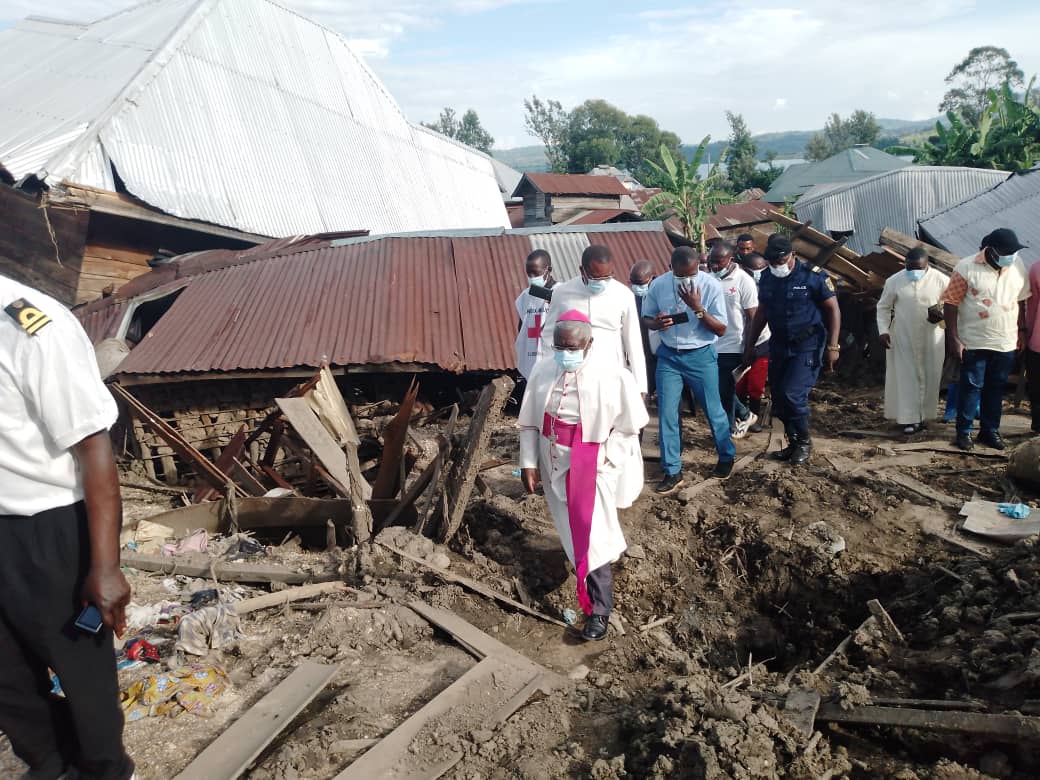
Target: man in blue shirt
[
  {"x": 800, "y": 306},
  {"x": 688, "y": 310}
]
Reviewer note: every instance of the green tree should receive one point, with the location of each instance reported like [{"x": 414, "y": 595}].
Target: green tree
[
  {"x": 595, "y": 135},
  {"x": 685, "y": 195},
  {"x": 742, "y": 161},
  {"x": 547, "y": 121},
  {"x": 468, "y": 130},
  {"x": 1005, "y": 136},
  {"x": 841, "y": 134},
  {"x": 984, "y": 69}
]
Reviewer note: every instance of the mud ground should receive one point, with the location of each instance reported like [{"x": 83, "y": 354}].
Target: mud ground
[{"x": 760, "y": 577}]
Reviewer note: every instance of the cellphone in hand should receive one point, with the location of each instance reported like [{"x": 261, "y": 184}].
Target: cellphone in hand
[
  {"x": 89, "y": 620},
  {"x": 679, "y": 318}
]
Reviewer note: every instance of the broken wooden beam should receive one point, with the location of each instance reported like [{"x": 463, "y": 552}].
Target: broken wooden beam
[
  {"x": 231, "y": 754},
  {"x": 920, "y": 488},
  {"x": 283, "y": 597},
  {"x": 317, "y": 437},
  {"x": 466, "y": 465},
  {"x": 1006, "y": 727},
  {"x": 202, "y": 566},
  {"x": 476, "y": 587},
  {"x": 205, "y": 469},
  {"x": 885, "y": 624}
]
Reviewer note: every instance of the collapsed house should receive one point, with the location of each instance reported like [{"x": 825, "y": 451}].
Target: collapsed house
[
  {"x": 197, "y": 124},
  {"x": 187, "y": 333}
]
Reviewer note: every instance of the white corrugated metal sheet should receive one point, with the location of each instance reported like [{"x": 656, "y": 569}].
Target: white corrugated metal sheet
[
  {"x": 1014, "y": 203},
  {"x": 236, "y": 112},
  {"x": 564, "y": 249},
  {"x": 896, "y": 199}
]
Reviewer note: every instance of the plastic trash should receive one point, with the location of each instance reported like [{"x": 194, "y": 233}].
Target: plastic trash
[
  {"x": 202, "y": 598},
  {"x": 140, "y": 650},
  {"x": 516, "y": 472},
  {"x": 1017, "y": 511},
  {"x": 570, "y": 617}
]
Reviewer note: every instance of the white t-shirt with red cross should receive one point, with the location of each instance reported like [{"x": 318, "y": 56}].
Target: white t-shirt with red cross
[
  {"x": 741, "y": 293},
  {"x": 531, "y": 311}
]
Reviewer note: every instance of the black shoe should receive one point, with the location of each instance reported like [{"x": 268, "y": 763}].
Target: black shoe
[
  {"x": 992, "y": 439},
  {"x": 669, "y": 484},
  {"x": 723, "y": 469},
  {"x": 786, "y": 452},
  {"x": 801, "y": 450},
  {"x": 964, "y": 442},
  {"x": 595, "y": 628}
]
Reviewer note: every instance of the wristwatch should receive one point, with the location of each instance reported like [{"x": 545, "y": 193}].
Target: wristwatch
[{"x": 699, "y": 314}]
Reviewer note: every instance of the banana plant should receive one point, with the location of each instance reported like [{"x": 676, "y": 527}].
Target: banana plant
[{"x": 687, "y": 196}]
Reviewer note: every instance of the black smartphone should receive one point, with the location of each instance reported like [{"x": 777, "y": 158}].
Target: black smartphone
[
  {"x": 544, "y": 293},
  {"x": 680, "y": 318},
  {"x": 89, "y": 620}
]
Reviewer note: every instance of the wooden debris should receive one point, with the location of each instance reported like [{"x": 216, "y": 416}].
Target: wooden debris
[
  {"x": 916, "y": 486},
  {"x": 388, "y": 482},
  {"x": 850, "y": 468},
  {"x": 466, "y": 465},
  {"x": 656, "y": 623},
  {"x": 937, "y": 524},
  {"x": 217, "y": 479},
  {"x": 800, "y": 708},
  {"x": 256, "y": 512},
  {"x": 282, "y": 597},
  {"x": 317, "y": 437},
  {"x": 483, "y": 697},
  {"x": 703, "y": 485},
  {"x": 476, "y": 587},
  {"x": 197, "y": 565},
  {"x": 885, "y": 623},
  {"x": 231, "y": 754},
  {"x": 984, "y": 518},
  {"x": 1008, "y": 727},
  {"x": 948, "y": 448},
  {"x": 902, "y": 243},
  {"x": 842, "y": 646}
]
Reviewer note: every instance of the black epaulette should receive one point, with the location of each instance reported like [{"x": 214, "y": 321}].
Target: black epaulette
[{"x": 27, "y": 317}]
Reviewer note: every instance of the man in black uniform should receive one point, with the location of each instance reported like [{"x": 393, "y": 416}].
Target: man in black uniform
[{"x": 799, "y": 304}]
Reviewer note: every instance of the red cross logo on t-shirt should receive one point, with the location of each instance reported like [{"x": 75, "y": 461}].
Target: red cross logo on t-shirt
[{"x": 536, "y": 331}]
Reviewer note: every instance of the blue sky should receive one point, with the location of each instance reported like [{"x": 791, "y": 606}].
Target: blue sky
[{"x": 783, "y": 65}]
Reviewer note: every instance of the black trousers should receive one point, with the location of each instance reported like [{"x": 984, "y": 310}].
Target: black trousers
[
  {"x": 600, "y": 584},
  {"x": 43, "y": 562},
  {"x": 1033, "y": 386}
]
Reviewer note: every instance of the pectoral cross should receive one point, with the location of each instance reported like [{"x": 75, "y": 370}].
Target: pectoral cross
[{"x": 536, "y": 331}]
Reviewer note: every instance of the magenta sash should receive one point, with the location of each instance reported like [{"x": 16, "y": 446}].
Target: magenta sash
[{"x": 581, "y": 495}]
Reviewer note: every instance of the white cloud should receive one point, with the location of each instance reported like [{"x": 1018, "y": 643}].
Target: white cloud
[{"x": 780, "y": 104}]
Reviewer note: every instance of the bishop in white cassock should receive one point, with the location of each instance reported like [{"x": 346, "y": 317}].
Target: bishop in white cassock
[
  {"x": 914, "y": 342},
  {"x": 610, "y": 308},
  {"x": 579, "y": 433}
]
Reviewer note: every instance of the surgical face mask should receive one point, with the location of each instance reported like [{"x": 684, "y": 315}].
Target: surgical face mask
[
  {"x": 757, "y": 273},
  {"x": 640, "y": 289},
  {"x": 596, "y": 286},
  {"x": 780, "y": 271},
  {"x": 915, "y": 274},
  {"x": 722, "y": 273},
  {"x": 684, "y": 282},
  {"x": 569, "y": 359},
  {"x": 536, "y": 281},
  {"x": 1005, "y": 260}
]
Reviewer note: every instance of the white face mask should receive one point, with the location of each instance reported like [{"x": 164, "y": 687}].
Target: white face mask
[
  {"x": 780, "y": 271},
  {"x": 757, "y": 273},
  {"x": 640, "y": 289},
  {"x": 1006, "y": 260},
  {"x": 536, "y": 281}
]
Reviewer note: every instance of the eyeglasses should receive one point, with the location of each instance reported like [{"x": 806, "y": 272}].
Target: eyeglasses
[{"x": 598, "y": 278}]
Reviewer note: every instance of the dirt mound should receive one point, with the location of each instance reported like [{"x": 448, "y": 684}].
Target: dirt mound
[{"x": 697, "y": 729}]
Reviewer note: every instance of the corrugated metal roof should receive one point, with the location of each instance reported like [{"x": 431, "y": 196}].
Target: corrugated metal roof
[
  {"x": 236, "y": 112},
  {"x": 896, "y": 199},
  {"x": 598, "y": 216},
  {"x": 573, "y": 184},
  {"x": 859, "y": 162},
  {"x": 1014, "y": 203},
  {"x": 443, "y": 299}
]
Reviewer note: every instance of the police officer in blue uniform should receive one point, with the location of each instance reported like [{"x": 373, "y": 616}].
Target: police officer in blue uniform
[{"x": 798, "y": 303}]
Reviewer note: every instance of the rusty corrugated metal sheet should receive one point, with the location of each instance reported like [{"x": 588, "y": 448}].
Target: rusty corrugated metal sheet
[
  {"x": 600, "y": 216},
  {"x": 627, "y": 248},
  {"x": 100, "y": 323},
  {"x": 442, "y": 300},
  {"x": 573, "y": 184},
  {"x": 491, "y": 276}
]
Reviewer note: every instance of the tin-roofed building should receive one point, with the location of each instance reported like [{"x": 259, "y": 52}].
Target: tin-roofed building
[
  {"x": 1013, "y": 203},
  {"x": 237, "y": 114},
  {"x": 859, "y": 162}
]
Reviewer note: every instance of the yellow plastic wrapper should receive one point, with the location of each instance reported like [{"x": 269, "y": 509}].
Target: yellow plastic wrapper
[{"x": 188, "y": 689}]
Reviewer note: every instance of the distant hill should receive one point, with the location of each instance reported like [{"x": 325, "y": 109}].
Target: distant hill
[{"x": 789, "y": 143}]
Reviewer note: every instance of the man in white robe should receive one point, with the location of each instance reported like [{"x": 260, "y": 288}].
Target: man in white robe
[
  {"x": 580, "y": 423},
  {"x": 611, "y": 309},
  {"x": 913, "y": 341},
  {"x": 532, "y": 306}
]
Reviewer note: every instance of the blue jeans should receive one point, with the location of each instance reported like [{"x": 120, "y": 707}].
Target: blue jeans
[
  {"x": 699, "y": 369},
  {"x": 983, "y": 376}
]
